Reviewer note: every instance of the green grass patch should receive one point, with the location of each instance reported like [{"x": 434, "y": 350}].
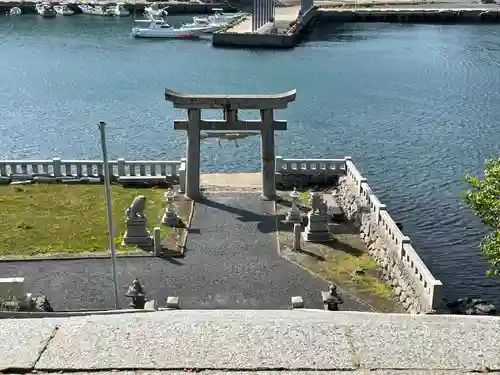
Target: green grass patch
[
  {"x": 55, "y": 218},
  {"x": 341, "y": 266},
  {"x": 304, "y": 196}
]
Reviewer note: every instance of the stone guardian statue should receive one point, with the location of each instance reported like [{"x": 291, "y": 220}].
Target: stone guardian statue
[{"x": 137, "y": 233}]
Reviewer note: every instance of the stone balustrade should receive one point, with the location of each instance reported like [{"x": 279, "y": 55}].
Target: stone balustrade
[
  {"x": 308, "y": 172},
  {"x": 89, "y": 168},
  {"x": 429, "y": 290},
  {"x": 310, "y": 166}
]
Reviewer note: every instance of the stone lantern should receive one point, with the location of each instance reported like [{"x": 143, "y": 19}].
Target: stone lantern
[
  {"x": 170, "y": 217},
  {"x": 331, "y": 299},
  {"x": 138, "y": 295},
  {"x": 293, "y": 216}
]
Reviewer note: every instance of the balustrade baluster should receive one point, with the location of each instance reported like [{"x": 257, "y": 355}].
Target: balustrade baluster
[{"x": 79, "y": 170}]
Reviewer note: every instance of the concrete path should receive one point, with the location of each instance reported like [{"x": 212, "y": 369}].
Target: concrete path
[
  {"x": 234, "y": 236},
  {"x": 231, "y": 262}
]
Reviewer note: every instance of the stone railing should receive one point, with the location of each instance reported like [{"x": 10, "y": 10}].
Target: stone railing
[
  {"x": 308, "y": 172},
  {"x": 89, "y": 168},
  {"x": 309, "y": 166},
  {"x": 429, "y": 289}
]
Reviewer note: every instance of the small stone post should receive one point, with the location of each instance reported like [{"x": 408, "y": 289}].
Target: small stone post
[
  {"x": 157, "y": 242},
  {"x": 297, "y": 230}
]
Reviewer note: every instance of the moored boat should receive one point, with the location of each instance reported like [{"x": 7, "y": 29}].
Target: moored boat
[
  {"x": 209, "y": 27},
  {"x": 45, "y": 10},
  {"x": 63, "y": 10},
  {"x": 159, "y": 29},
  {"x": 15, "y": 11},
  {"x": 219, "y": 17},
  {"x": 120, "y": 11},
  {"x": 96, "y": 10},
  {"x": 155, "y": 11}
]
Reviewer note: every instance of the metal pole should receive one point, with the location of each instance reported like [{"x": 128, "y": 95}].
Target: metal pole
[
  {"x": 254, "y": 13},
  {"x": 257, "y": 15},
  {"x": 266, "y": 11},
  {"x": 111, "y": 229}
]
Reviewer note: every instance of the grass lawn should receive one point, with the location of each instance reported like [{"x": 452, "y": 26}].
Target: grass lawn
[{"x": 56, "y": 218}]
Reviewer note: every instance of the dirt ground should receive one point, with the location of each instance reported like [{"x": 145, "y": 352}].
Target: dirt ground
[{"x": 338, "y": 261}]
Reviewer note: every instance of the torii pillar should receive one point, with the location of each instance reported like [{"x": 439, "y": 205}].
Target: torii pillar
[{"x": 230, "y": 104}]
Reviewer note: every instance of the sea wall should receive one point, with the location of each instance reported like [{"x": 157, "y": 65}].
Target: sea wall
[{"x": 412, "y": 282}]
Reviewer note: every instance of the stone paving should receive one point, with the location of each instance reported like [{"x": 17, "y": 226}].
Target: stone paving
[
  {"x": 231, "y": 262},
  {"x": 245, "y": 340}
]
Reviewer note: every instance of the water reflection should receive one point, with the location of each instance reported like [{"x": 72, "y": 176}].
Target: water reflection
[{"x": 350, "y": 32}]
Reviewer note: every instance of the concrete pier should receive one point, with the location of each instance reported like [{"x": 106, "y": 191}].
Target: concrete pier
[
  {"x": 286, "y": 35},
  {"x": 427, "y": 14}
]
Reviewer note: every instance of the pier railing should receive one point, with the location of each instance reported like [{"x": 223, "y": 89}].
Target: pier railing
[
  {"x": 431, "y": 290},
  {"x": 89, "y": 168}
]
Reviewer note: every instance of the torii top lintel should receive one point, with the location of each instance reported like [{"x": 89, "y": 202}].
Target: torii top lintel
[{"x": 273, "y": 101}]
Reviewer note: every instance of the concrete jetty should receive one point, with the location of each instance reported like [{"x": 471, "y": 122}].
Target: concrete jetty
[
  {"x": 294, "y": 19},
  {"x": 288, "y": 25}
]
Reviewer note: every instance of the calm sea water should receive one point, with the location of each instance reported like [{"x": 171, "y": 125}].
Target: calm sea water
[{"x": 416, "y": 106}]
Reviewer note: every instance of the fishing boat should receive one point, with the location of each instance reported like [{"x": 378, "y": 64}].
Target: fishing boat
[
  {"x": 155, "y": 11},
  {"x": 120, "y": 11},
  {"x": 209, "y": 26},
  {"x": 63, "y": 10},
  {"x": 219, "y": 16},
  {"x": 16, "y": 11},
  {"x": 103, "y": 11},
  {"x": 45, "y": 10},
  {"x": 96, "y": 10},
  {"x": 159, "y": 29},
  {"x": 85, "y": 8}
]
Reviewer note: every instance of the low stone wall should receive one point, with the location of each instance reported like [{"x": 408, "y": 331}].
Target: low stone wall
[{"x": 413, "y": 284}]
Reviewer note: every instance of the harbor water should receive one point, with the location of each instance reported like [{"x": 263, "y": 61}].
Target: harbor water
[{"x": 417, "y": 106}]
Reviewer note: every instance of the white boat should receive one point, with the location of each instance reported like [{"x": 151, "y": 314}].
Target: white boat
[
  {"x": 120, "y": 11},
  {"x": 45, "y": 10},
  {"x": 159, "y": 29},
  {"x": 219, "y": 17},
  {"x": 103, "y": 11},
  {"x": 154, "y": 10},
  {"x": 210, "y": 27},
  {"x": 87, "y": 9},
  {"x": 16, "y": 11},
  {"x": 63, "y": 10},
  {"x": 96, "y": 10}
]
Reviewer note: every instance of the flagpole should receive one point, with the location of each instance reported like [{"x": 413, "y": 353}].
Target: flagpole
[{"x": 109, "y": 207}]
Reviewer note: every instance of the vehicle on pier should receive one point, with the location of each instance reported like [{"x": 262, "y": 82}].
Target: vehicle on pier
[{"x": 45, "y": 10}]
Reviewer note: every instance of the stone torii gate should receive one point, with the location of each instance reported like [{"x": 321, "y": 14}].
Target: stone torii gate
[{"x": 230, "y": 104}]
